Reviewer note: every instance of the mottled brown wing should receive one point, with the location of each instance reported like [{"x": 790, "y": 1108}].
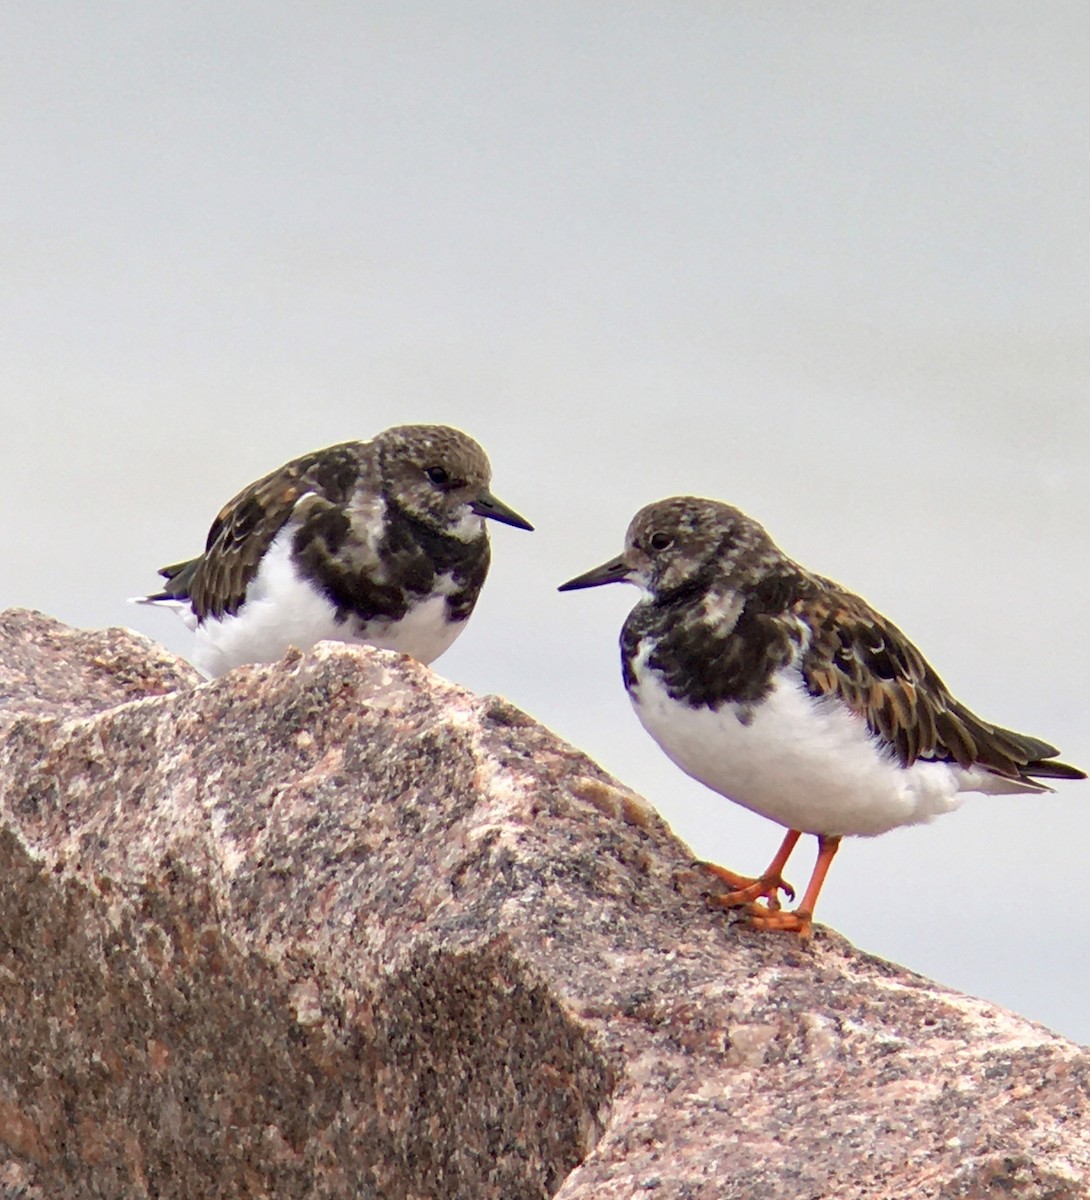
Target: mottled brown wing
[
  {"x": 869, "y": 664},
  {"x": 215, "y": 583}
]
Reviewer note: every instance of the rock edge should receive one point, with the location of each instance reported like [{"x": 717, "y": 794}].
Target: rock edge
[{"x": 336, "y": 927}]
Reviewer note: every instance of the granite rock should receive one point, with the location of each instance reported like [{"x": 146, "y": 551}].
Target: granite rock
[{"x": 338, "y": 928}]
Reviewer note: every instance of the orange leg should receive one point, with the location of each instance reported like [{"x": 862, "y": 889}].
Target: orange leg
[
  {"x": 799, "y": 921},
  {"x": 745, "y": 889}
]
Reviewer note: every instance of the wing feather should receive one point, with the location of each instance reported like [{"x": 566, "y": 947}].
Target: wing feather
[
  {"x": 215, "y": 582},
  {"x": 865, "y": 661}
]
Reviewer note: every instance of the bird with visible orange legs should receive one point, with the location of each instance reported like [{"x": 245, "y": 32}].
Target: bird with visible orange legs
[{"x": 790, "y": 695}]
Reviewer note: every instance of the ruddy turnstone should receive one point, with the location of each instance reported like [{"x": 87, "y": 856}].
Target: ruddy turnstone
[
  {"x": 788, "y": 694},
  {"x": 381, "y": 542}
]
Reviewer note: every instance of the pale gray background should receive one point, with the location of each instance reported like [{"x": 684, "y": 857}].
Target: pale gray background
[{"x": 829, "y": 262}]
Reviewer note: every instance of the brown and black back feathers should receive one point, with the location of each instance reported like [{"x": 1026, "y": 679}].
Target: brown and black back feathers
[{"x": 867, "y": 663}]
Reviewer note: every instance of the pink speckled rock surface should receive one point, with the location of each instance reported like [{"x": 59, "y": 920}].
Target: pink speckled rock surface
[{"x": 337, "y": 928}]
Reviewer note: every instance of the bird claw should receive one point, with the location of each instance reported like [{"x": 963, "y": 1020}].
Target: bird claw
[{"x": 745, "y": 889}]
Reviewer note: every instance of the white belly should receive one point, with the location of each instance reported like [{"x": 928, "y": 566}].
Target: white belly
[
  {"x": 282, "y": 610},
  {"x": 808, "y": 765}
]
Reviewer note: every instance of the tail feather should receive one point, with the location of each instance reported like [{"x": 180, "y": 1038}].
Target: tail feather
[
  {"x": 163, "y": 598},
  {"x": 178, "y": 577},
  {"x": 1047, "y": 768},
  {"x": 175, "y": 569},
  {"x": 1027, "y": 756}
]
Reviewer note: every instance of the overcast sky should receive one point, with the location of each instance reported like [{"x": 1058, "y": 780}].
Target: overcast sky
[{"x": 827, "y": 262}]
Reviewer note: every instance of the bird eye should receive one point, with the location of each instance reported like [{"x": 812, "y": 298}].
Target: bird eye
[
  {"x": 659, "y": 541},
  {"x": 438, "y": 476}
]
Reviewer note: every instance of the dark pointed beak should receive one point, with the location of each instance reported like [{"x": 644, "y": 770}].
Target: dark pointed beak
[
  {"x": 486, "y": 505},
  {"x": 614, "y": 571}
]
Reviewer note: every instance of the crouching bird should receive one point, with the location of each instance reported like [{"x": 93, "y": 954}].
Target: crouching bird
[{"x": 381, "y": 542}]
